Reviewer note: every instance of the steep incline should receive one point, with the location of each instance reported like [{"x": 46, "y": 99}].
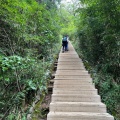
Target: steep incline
[{"x": 74, "y": 95}]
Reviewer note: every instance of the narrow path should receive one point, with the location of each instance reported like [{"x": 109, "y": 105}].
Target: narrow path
[{"x": 74, "y": 95}]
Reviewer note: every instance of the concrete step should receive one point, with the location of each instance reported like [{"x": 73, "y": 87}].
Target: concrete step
[
  {"x": 68, "y": 55},
  {"x": 71, "y": 72},
  {"x": 75, "y": 98},
  {"x": 71, "y": 52},
  {"x": 78, "y": 116},
  {"x": 74, "y": 88},
  {"x": 77, "y": 87},
  {"x": 69, "y": 60},
  {"x": 78, "y": 107},
  {"x": 82, "y": 92},
  {"x": 70, "y": 63},
  {"x": 73, "y": 82},
  {"x": 77, "y": 78},
  {"x": 70, "y": 68},
  {"x": 57, "y": 76}
]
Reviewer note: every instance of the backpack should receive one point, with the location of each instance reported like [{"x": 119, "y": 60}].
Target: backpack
[{"x": 64, "y": 39}]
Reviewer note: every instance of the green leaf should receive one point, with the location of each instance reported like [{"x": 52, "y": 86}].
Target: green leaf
[
  {"x": 32, "y": 85},
  {"x": 7, "y": 79},
  {"x": 4, "y": 69}
]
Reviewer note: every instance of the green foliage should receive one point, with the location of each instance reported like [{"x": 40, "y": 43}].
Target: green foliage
[
  {"x": 67, "y": 21},
  {"x": 98, "y": 45},
  {"x": 18, "y": 83},
  {"x": 32, "y": 25},
  {"x": 29, "y": 40},
  {"x": 109, "y": 92}
]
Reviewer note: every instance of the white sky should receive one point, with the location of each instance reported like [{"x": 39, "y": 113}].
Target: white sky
[
  {"x": 72, "y": 2},
  {"x": 66, "y": 1}
]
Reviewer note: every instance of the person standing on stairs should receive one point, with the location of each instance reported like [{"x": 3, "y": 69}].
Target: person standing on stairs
[{"x": 65, "y": 43}]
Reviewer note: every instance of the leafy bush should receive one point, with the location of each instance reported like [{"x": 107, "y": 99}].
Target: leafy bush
[
  {"x": 98, "y": 45},
  {"x": 20, "y": 78},
  {"x": 28, "y": 41}
]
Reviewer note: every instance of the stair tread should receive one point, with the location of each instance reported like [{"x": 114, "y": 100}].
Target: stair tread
[
  {"x": 77, "y": 114},
  {"x": 79, "y": 103}
]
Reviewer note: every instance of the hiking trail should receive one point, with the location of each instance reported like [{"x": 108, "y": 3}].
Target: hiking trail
[{"x": 74, "y": 95}]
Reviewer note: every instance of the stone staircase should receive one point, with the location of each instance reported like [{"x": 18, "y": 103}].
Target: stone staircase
[{"x": 74, "y": 95}]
